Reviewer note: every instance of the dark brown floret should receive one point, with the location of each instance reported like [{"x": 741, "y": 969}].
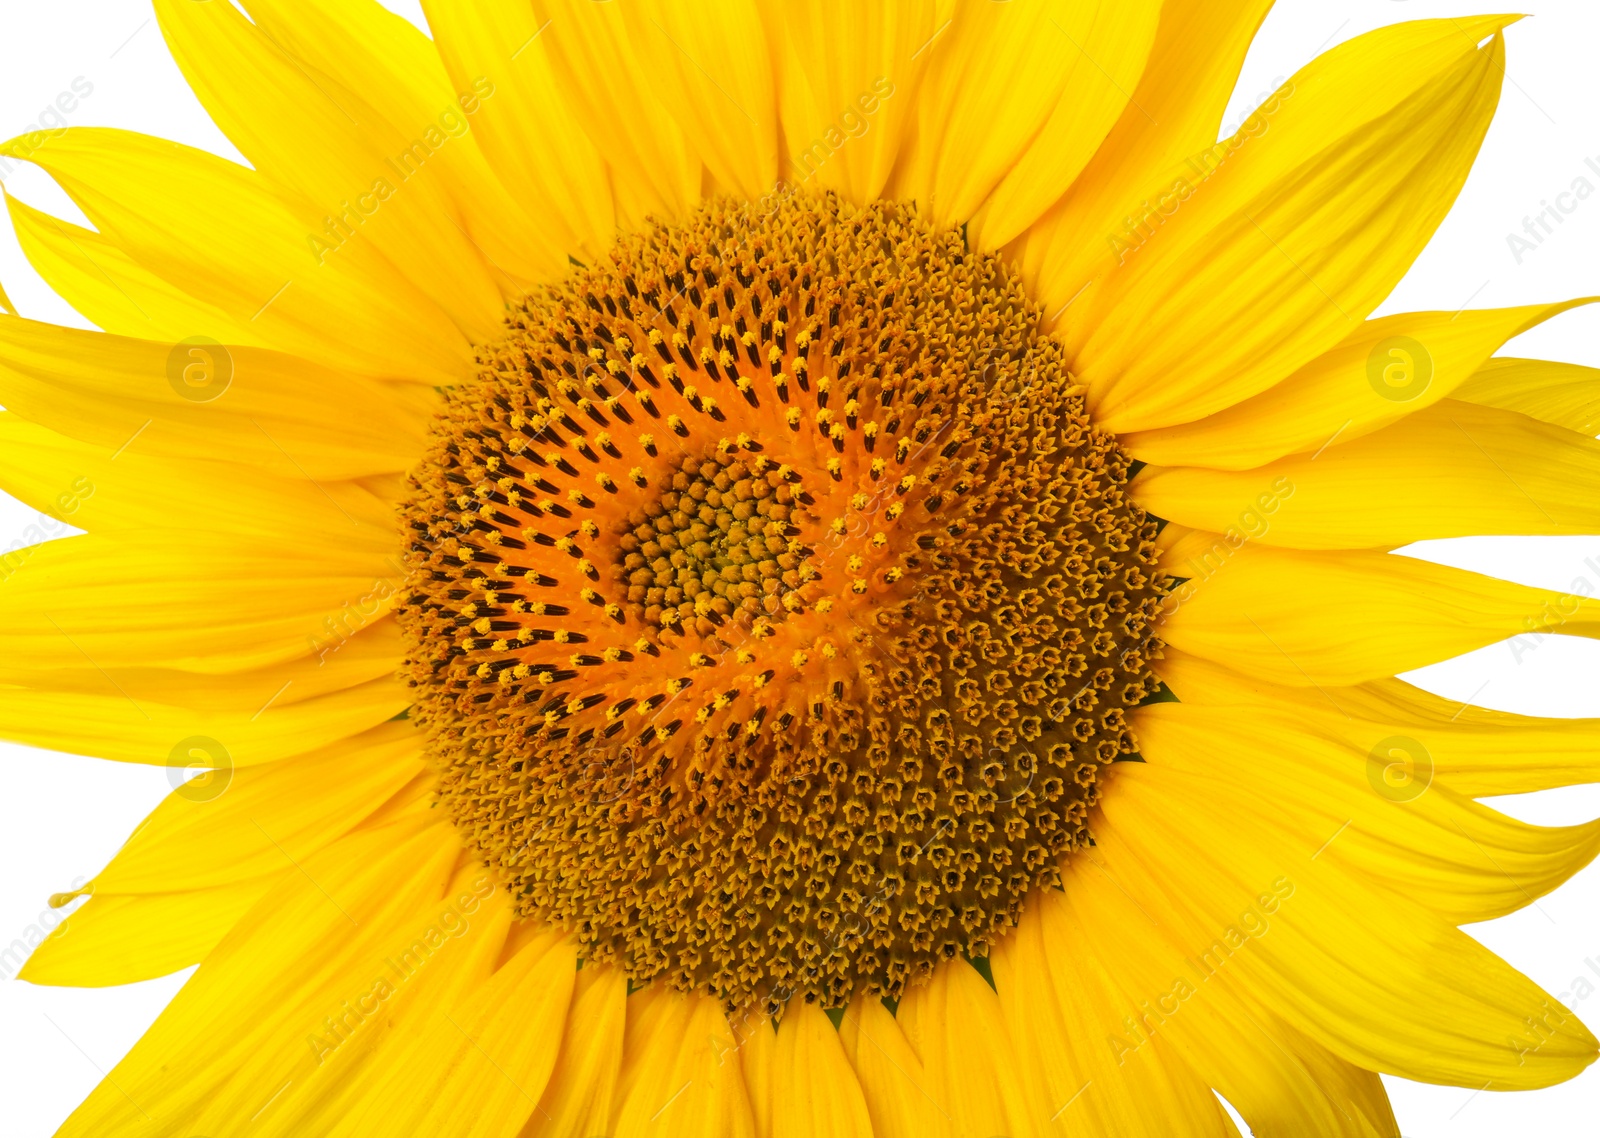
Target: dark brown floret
[{"x": 776, "y": 608}]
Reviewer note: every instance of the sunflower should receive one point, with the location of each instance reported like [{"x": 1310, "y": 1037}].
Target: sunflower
[{"x": 763, "y": 569}]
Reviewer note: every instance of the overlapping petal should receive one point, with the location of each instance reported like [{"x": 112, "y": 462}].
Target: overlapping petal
[
  {"x": 1452, "y": 470},
  {"x": 360, "y": 977},
  {"x": 1283, "y": 239}
]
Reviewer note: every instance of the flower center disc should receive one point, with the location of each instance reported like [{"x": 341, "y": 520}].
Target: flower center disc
[{"x": 775, "y": 607}]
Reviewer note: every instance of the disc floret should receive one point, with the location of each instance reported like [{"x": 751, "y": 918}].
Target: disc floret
[{"x": 777, "y": 608}]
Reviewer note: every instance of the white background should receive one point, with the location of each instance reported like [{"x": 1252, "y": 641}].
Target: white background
[{"x": 62, "y": 817}]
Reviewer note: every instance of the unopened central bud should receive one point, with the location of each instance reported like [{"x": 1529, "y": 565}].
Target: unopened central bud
[{"x": 718, "y": 544}]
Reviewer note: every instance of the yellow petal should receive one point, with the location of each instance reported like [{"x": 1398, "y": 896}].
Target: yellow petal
[
  {"x": 98, "y": 490},
  {"x": 996, "y": 78},
  {"x": 1567, "y": 395},
  {"x": 514, "y": 1035},
  {"x": 1280, "y": 245},
  {"x": 710, "y": 65},
  {"x": 112, "y": 727},
  {"x": 1376, "y": 979},
  {"x": 893, "y": 1082},
  {"x": 581, "y": 1094},
  {"x": 1452, "y": 470},
  {"x": 396, "y": 69},
  {"x": 527, "y": 130},
  {"x": 360, "y": 1055},
  {"x": 335, "y": 156},
  {"x": 1172, "y": 1002},
  {"x": 279, "y": 413},
  {"x": 1106, "y": 47},
  {"x": 681, "y": 1076},
  {"x": 1189, "y": 553},
  {"x": 654, "y": 171},
  {"x": 111, "y": 291},
  {"x": 239, "y": 1030},
  {"x": 480, "y": 1068},
  {"x": 814, "y": 1091},
  {"x": 968, "y": 1056},
  {"x": 125, "y": 939},
  {"x": 1475, "y": 751},
  {"x": 1062, "y": 1010},
  {"x": 653, "y": 1013},
  {"x": 1310, "y": 619},
  {"x": 370, "y": 48},
  {"x": 1360, "y": 1095},
  {"x": 264, "y": 819},
  {"x": 142, "y": 602},
  {"x": 345, "y": 685},
  {"x": 758, "y": 1043},
  {"x": 219, "y": 232},
  {"x": 1464, "y": 861},
  {"x": 1174, "y": 114},
  {"x": 1389, "y": 368},
  {"x": 848, "y": 84}
]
